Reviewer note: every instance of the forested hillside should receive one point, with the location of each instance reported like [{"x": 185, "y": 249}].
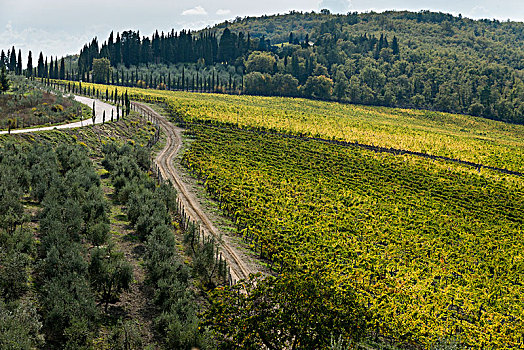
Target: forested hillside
[{"x": 422, "y": 60}]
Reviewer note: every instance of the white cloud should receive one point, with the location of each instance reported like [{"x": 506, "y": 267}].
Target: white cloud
[
  {"x": 223, "y": 12},
  {"x": 479, "y": 12},
  {"x": 49, "y": 42},
  {"x": 335, "y": 6},
  {"x": 198, "y": 10}
]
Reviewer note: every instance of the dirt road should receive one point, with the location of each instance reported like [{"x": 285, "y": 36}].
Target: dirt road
[{"x": 239, "y": 263}]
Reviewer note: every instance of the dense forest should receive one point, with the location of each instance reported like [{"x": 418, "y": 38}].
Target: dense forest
[{"x": 421, "y": 59}]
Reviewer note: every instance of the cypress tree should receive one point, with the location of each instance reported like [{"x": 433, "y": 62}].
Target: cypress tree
[
  {"x": 3, "y": 60},
  {"x": 394, "y": 46},
  {"x": 55, "y": 73},
  {"x": 19, "y": 63},
  {"x": 46, "y": 71},
  {"x": 29, "y": 65},
  {"x": 12, "y": 60},
  {"x": 62, "y": 69},
  {"x": 51, "y": 69}
]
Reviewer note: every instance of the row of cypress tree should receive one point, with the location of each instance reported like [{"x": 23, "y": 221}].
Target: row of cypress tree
[{"x": 55, "y": 69}]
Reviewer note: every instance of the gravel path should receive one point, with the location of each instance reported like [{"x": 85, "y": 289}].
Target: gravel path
[
  {"x": 240, "y": 264},
  {"x": 100, "y": 107}
]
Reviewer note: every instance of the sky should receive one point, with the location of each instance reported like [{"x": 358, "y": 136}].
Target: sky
[{"x": 58, "y": 27}]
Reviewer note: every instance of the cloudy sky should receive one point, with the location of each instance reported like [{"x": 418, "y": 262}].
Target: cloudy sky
[{"x": 59, "y": 27}]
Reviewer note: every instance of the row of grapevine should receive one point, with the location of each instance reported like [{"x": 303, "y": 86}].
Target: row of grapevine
[
  {"x": 430, "y": 252},
  {"x": 477, "y": 140}
]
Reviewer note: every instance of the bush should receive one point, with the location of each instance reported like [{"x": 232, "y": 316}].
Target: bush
[{"x": 19, "y": 326}]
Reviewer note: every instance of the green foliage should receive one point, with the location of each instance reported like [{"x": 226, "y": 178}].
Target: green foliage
[
  {"x": 297, "y": 310},
  {"x": 14, "y": 274},
  {"x": 19, "y": 326},
  {"x": 319, "y": 87},
  {"x": 11, "y": 210},
  {"x": 396, "y": 58},
  {"x": 101, "y": 70},
  {"x": 109, "y": 273},
  {"x": 257, "y": 83},
  {"x": 71, "y": 206},
  {"x": 262, "y": 62},
  {"x": 4, "y": 80},
  {"x": 148, "y": 208}
]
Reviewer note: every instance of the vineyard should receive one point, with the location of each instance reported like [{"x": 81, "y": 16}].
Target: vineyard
[
  {"x": 431, "y": 253},
  {"x": 467, "y": 138},
  {"x": 431, "y": 249}
]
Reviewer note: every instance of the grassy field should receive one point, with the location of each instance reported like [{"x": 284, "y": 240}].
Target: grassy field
[
  {"x": 132, "y": 130},
  {"x": 29, "y": 104},
  {"x": 456, "y": 136}
]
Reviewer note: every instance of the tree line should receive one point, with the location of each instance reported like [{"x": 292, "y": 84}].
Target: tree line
[
  {"x": 52, "y": 69},
  {"x": 443, "y": 62},
  {"x": 130, "y": 49}
]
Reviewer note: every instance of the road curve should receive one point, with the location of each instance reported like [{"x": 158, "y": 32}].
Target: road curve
[
  {"x": 164, "y": 160},
  {"x": 100, "y": 107}
]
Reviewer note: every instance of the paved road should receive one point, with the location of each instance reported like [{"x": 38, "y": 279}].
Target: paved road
[{"x": 100, "y": 107}]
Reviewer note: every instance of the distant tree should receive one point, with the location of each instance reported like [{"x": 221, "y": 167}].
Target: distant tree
[
  {"x": 101, "y": 69},
  {"x": 256, "y": 83},
  {"x": 4, "y": 81},
  {"x": 262, "y": 62},
  {"x": 93, "y": 117},
  {"x": 262, "y": 44},
  {"x": 40, "y": 67},
  {"x": 19, "y": 63},
  {"x": 56, "y": 73},
  {"x": 341, "y": 85},
  {"x": 226, "y": 49},
  {"x": 46, "y": 70},
  {"x": 291, "y": 38},
  {"x": 12, "y": 61},
  {"x": 51, "y": 73},
  {"x": 394, "y": 46},
  {"x": 373, "y": 77},
  {"x": 318, "y": 87},
  {"x": 284, "y": 85},
  {"x": 3, "y": 59},
  {"x": 29, "y": 71},
  {"x": 62, "y": 69}
]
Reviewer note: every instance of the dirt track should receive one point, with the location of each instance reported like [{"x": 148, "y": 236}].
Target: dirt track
[{"x": 236, "y": 260}]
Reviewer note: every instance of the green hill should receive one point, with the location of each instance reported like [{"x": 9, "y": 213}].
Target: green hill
[{"x": 422, "y": 60}]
